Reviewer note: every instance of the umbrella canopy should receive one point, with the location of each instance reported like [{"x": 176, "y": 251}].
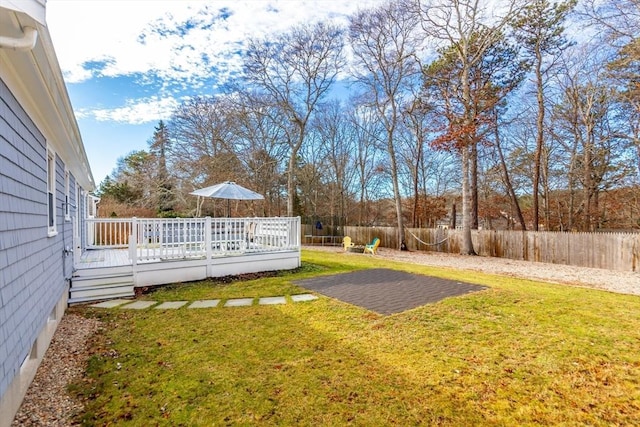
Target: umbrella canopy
[{"x": 228, "y": 190}]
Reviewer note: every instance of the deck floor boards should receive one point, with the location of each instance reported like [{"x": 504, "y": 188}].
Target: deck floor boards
[{"x": 100, "y": 258}]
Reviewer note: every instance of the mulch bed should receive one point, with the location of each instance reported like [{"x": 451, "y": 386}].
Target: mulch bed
[{"x": 387, "y": 291}]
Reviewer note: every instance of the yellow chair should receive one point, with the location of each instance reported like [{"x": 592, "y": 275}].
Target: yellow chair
[
  {"x": 347, "y": 243},
  {"x": 372, "y": 247}
]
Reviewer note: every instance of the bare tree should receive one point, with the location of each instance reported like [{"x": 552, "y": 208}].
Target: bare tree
[
  {"x": 261, "y": 147},
  {"x": 415, "y": 116},
  {"x": 295, "y": 70},
  {"x": 312, "y": 179},
  {"x": 506, "y": 176},
  {"x": 620, "y": 21},
  {"x": 132, "y": 181},
  {"x": 367, "y": 157},
  {"x": 337, "y": 141},
  {"x": 384, "y": 42},
  {"x": 202, "y": 141},
  {"x": 588, "y": 111}
]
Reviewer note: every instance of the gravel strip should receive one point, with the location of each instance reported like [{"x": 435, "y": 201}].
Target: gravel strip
[{"x": 47, "y": 402}]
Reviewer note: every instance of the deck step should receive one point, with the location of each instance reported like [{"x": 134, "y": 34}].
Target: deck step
[
  {"x": 78, "y": 300},
  {"x": 109, "y": 285},
  {"x": 98, "y": 293},
  {"x": 103, "y": 271},
  {"x": 90, "y": 282}
]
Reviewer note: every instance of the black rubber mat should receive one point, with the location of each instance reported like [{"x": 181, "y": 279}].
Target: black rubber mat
[{"x": 387, "y": 291}]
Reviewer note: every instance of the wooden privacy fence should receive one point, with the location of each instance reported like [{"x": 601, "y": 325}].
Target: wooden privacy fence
[{"x": 612, "y": 251}]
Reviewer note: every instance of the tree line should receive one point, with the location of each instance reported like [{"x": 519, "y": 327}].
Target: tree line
[{"x": 519, "y": 113}]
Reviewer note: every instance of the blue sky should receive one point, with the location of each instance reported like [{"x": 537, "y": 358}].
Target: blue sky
[{"x": 129, "y": 63}]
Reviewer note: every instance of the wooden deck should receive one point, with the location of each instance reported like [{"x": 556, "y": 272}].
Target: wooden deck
[
  {"x": 124, "y": 253},
  {"x": 104, "y": 258},
  {"x": 103, "y": 274},
  {"x": 101, "y": 258}
]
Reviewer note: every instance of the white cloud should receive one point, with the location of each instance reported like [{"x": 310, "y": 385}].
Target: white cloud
[
  {"x": 137, "y": 111},
  {"x": 171, "y": 37},
  {"x": 177, "y": 46}
]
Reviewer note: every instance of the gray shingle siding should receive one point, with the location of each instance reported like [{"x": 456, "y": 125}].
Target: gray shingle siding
[{"x": 31, "y": 264}]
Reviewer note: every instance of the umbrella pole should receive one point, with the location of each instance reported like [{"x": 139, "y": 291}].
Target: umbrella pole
[{"x": 199, "y": 206}]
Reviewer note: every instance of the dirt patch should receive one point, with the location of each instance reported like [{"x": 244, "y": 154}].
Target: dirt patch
[{"x": 225, "y": 280}]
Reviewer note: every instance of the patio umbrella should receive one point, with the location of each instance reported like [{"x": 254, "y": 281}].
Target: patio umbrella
[{"x": 228, "y": 190}]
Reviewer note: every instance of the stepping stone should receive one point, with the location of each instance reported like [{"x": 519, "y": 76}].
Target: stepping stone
[
  {"x": 207, "y": 303},
  {"x": 139, "y": 305},
  {"x": 110, "y": 304},
  {"x": 303, "y": 297},
  {"x": 170, "y": 305},
  {"x": 272, "y": 300},
  {"x": 239, "y": 302}
]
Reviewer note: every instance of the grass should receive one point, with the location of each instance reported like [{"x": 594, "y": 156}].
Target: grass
[{"x": 519, "y": 353}]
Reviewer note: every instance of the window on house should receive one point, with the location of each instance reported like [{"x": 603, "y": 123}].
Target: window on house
[
  {"x": 67, "y": 198},
  {"x": 51, "y": 192}
]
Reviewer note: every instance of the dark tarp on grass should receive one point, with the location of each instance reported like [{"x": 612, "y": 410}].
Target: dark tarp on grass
[{"x": 387, "y": 291}]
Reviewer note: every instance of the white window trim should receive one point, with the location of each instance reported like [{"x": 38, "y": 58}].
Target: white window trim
[
  {"x": 67, "y": 195},
  {"x": 52, "y": 229}
]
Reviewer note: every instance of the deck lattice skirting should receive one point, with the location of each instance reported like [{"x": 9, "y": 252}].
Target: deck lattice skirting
[{"x": 126, "y": 253}]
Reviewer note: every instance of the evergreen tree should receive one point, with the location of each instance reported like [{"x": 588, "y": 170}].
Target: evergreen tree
[{"x": 162, "y": 182}]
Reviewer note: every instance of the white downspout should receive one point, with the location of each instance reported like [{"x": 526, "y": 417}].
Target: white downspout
[{"x": 26, "y": 42}]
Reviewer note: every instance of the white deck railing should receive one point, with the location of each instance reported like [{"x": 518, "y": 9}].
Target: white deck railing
[
  {"x": 181, "y": 238},
  {"x": 108, "y": 233}
]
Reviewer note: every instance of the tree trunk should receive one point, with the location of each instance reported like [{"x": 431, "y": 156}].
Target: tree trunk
[
  {"x": 396, "y": 189},
  {"x": 465, "y": 148},
  {"x": 467, "y": 243},
  {"x": 416, "y": 177},
  {"x": 588, "y": 183},
  {"x": 474, "y": 186},
  {"x": 415, "y": 199},
  {"x": 507, "y": 182},
  {"x": 539, "y": 139},
  {"x": 452, "y": 221},
  {"x": 546, "y": 191},
  {"x": 291, "y": 182}
]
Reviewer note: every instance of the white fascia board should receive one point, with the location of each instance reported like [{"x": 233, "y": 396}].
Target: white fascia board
[{"x": 36, "y": 9}]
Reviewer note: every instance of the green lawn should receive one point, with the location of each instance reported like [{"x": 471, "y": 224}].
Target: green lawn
[{"x": 519, "y": 353}]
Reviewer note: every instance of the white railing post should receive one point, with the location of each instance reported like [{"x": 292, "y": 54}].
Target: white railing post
[
  {"x": 133, "y": 241},
  {"x": 208, "y": 231},
  {"x": 298, "y": 229},
  {"x": 91, "y": 238},
  {"x": 159, "y": 226}
]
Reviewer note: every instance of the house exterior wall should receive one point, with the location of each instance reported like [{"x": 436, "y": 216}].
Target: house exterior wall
[
  {"x": 32, "y": 264},
  {"x": 36, "y": 119}
]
